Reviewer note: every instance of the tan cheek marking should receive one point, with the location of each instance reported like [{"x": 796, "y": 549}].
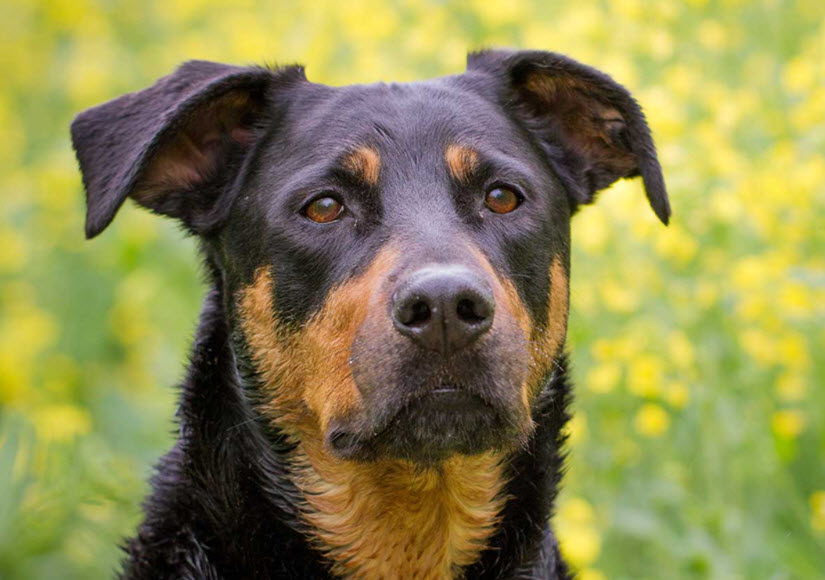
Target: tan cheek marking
[
  {"x": 365, "y": 163},
  {"x": 462, "y": 161},
  {"x": 548, "y": 340},
  {"x": 506, "y": 295},
  {"x": 307, "y": 373},
  {"x": 271, "y": 349},
  {"x": 330, "y": 390}
]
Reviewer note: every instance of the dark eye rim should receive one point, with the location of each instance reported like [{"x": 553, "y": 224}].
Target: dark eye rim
[
  {"x": 520, "y": 197},
  {"x": 318, "y": 196}
]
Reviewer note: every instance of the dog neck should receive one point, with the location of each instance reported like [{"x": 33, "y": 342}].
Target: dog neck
[{"x": 391, "y": 518}]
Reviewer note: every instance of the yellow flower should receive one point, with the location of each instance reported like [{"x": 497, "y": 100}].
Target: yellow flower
[
  {"x": 712, "y": 35},
  {"x": 677, "y": 394},
  {"x": 576, "y": 428},
  {"x": 591, "y": 574},
  {"x": 618, "y": 298},
  {"x": 681, "y": 349},
  {"x": 603, "y": 378},
  {"x": 651, "y": 420},
  {"x": 61, "y": 422},
  {"x": 676, "y": 245},
  {"x": 788, "y": 423},
  {"x": 603, "y": 349},
  {"x": 793, "y": 351},
  {"x": 818, "y": 511},
  {"x": 15, "y": 250},
  {"x": 645, "y": 376},
  {"x": 591, "y": 231},
  {"x": 579, "y": 539},
  {"x": 15, "y": 379},
  {"x": 580, "y": 544},
  {"x": 800, "y": 75},
  {"x": 791, "y": 387},
  {"x": 759, "y": 346},
  {"x": 495, "y": 13},
  {"x": 576, "y": 510}
]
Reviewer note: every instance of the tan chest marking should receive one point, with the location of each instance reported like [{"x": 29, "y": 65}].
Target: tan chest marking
[{"x": 393, "y": 520}]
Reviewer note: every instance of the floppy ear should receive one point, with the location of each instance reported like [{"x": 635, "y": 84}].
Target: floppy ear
[
  {"x": 589, "y": 126},
  {"x": 175, "y": 146}
]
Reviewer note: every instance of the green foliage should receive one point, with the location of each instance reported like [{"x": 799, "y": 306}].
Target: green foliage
[{"x": 698, "y": 447}]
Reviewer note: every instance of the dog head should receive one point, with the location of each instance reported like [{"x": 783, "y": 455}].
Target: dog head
[{"x": 395, "y": 257}]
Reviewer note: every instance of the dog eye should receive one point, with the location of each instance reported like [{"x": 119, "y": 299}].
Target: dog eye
[
  {"x": 324, "y": 210},
  {"x": 502, "y": 200}
]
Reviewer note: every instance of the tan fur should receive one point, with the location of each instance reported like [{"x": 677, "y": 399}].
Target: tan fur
[
  {"x": 391, "y": 519},
  {"x": 374, "y": 520},
  {"x": 548, "y": 340},
  {"x": 309, "y": 371},
  {"x": 365, "y": 163},
  {"x": 462, "y": 161}
]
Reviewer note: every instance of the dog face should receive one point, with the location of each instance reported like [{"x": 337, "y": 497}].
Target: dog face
[{"x": 394, "y": 258}]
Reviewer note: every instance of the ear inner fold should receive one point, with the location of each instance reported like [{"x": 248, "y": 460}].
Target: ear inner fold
[
  {"x": 590, "y": 128},
  {"x": 170, "y": 137}
]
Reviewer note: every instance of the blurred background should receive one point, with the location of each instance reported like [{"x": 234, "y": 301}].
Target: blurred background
[{"x": 698, "y": 443}]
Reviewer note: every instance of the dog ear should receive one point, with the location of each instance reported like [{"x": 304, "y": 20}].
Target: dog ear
[
  {"x": 174, "y": 146},
  {"x": 591, "y": 129}
]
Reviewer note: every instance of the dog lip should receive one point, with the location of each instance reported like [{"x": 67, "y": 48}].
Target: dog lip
[
  {"x": 443, "y": 390},
  {"x": 347, "y": 444}
]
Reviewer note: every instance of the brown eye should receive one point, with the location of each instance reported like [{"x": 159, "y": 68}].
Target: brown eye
[
  {"x": 502, "y": 200},
  {"x": 324, "y": 210}
]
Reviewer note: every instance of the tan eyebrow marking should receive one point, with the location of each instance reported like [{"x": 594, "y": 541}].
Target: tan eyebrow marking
[
  {"x": 365, "y": 163},
  {"x": 461, "y": 160}
]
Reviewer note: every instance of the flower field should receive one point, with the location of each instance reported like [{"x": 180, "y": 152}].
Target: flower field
[{"x": 697, "y": 449}]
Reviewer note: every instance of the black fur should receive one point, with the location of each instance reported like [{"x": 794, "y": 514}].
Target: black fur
[{"x": 235, "y": 154}]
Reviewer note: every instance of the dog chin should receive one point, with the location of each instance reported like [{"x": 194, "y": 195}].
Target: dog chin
[{"x": 432, "y": 428}]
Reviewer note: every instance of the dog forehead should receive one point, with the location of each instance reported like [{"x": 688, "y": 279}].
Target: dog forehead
[{"x": 404, "y": 118}]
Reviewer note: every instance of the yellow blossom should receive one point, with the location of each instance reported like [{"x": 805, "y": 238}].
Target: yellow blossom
[
  {"x": 61, "y": 422},
  {"x": 788, "y": 423},
  {"x": 591, "y": 574},
  {"x": 579, "y": 539},
  {"x": 681, "y": 349},
  {"x": 791, "y": 386},
  {"x": 603, "y": 378},
  {"x": 818, "y": 510},
  {"x": 651, "y": 420},
  {"x": 645, "y": 376},
  {"x": 576, "y": 429},
  {"x": 677, "y": 394}
]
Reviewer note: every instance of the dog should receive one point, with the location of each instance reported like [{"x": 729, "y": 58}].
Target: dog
[{"x": 377, "y": 387}]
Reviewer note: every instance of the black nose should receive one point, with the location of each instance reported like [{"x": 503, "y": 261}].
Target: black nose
[{"x": 443, "y": 307}]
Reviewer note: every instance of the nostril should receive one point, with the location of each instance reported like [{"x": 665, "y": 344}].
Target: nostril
[
  {"x": 469, "y": 311},
  {"x": 420, "y": 313},
  {"x": 414, "y": 311}
]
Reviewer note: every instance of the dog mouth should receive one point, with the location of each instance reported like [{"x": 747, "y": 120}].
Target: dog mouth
[{"x": 446, "y": 420}]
